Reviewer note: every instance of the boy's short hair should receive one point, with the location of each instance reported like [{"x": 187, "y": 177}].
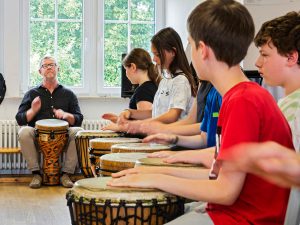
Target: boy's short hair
[
  {"x": 283, "y": 32},
  {"x": 226, "y": 26}
]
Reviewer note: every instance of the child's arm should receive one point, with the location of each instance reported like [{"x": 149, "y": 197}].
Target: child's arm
[{"x": 225, "y": 190}]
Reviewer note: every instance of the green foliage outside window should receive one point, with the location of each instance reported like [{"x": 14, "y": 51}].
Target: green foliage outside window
[
  {"x": 57, "y": 33},
  {"x": 56, "y": 28}
]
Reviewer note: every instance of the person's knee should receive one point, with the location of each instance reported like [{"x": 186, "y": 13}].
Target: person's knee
[
  {"x": 26, "y": 133},
  {"x": 73, "y": 131}
]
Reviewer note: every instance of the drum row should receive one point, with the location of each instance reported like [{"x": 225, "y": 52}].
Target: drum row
[
  {"x": 92, "y": 202},
  {"x": 101, "y": 153}
]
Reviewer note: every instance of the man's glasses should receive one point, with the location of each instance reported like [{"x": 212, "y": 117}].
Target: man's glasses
[{"x": 50, "y": 65}]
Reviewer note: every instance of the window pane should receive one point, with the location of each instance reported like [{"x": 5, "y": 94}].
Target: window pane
[
  {"x": 69, "y": 53},
  {"x": 59, "y": 35},
  {"x": 70, "y": 9},
  {"x": 142, "y": 10},
  {"x": 42, "y": 9},
  {"x": 115, "y": 10},
  {"x": 141, "y": 35},
  {"x": 41, "y": 43},
  {"x": 115, "y": 43}
]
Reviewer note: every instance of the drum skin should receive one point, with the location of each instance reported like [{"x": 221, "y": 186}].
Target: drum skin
[
  {"x": 82, "y": 139},
  {"x": 159, "y": 162},
  {"x": 102, "y": 146},
  {"x": 91, "y": 202},
  {"x": 139, "y": 147},
  {"x": 51, "y": 138},
  {"x": 115, "y": 162}
]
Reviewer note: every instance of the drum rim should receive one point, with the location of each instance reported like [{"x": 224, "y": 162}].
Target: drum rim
[
  {"x": 62, "y": 126},
  {"x": 142, "y": 162},
  {"x": 141, "y": 146}
]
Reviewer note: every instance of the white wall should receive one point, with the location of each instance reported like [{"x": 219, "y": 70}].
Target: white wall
[{"x": 177, "y": 12}]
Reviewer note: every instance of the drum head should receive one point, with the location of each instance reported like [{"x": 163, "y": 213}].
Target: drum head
[
  {"x": 140, "y": 147},
  {"x": 96, "y": 188},
  {"x": 97, "y": 133},
  {"x": 106, "y": 143},
  {"x": 159, "y": 162},
  {"x": 51, "y": 124},
  {"x": 99, "y": 184},
  {"x": 123, "y": 157}
]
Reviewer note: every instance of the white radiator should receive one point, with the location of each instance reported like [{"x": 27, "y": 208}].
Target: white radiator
[{"x": 14, "y": 163}]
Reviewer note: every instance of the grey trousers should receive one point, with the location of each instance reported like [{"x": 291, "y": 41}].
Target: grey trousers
[
  {"x": 30, "y": 152},
  {"x": 194, "y": 215}
]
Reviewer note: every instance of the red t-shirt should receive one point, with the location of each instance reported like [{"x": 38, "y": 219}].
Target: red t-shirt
[{"x": 250, "y": 114}]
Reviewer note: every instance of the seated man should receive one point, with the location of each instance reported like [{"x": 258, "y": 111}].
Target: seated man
[{"x": 50, "y": 100}]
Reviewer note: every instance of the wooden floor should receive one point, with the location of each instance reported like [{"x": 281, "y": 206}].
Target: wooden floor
[{"x": 21, "y": 205}]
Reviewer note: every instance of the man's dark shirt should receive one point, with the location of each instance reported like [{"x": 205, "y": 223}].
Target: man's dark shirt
[{"x": 61, "y": 98}]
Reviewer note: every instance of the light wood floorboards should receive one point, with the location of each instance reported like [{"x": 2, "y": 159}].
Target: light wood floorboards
[{"x": 21, "y": 205}]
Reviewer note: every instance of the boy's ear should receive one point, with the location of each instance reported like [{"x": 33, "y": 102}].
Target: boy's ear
[
  {"x": 293, "y": 58},
  {"x": 204, "y": 49}
]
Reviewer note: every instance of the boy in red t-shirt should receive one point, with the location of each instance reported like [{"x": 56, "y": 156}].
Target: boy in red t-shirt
[{"x": 220, "y": 32}]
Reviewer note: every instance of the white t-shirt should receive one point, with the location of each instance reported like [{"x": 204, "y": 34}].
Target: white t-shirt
[
  {"x": 290, "y": 106},
  {"x": 172, "y": 93}
]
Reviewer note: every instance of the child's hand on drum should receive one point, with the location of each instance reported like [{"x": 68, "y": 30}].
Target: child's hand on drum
[
  {"x": 192, "y": 157},
  {"x": 124, "y": 117},
  {"x": 135, "y": 180},
  {"x": 134, "y": 127},
  {"x": 161, "y": 138},
  {"x": 110, "y": 116},
  {"x": 112, "y": 126},
  {"x": 161, "y": 154},
  {"x": 136, "y": 170}
]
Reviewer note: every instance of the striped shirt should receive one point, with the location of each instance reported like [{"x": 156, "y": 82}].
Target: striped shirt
[{"x": 290, "y": 106}]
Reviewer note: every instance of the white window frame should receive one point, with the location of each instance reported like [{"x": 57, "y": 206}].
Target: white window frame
[
  {"x": 159, "y": 23},
  {"x": 93, "y": 40}
]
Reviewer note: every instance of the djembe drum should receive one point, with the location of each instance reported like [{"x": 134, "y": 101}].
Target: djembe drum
[
  {"x": 91, "y": 202},
  {"x": 51, "y": 137},
  {"x": 82, "y": 139},
  {"x": 139, "y": 147},
  {"x": 115, "y": 162},
  {"x": 102, "y": 146}
]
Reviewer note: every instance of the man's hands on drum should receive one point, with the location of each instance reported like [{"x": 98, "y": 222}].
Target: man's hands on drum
[
  {"x": 36, "y": 104},
  {"x": 60, "y": 114}
]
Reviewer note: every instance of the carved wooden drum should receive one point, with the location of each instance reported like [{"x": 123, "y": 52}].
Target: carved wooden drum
[
  {"x": 51, "y": 137},
  {"x": 102, "y": 146},
  {"x": 82, "y": 139},
  {"x": 91, "y": 202}
]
